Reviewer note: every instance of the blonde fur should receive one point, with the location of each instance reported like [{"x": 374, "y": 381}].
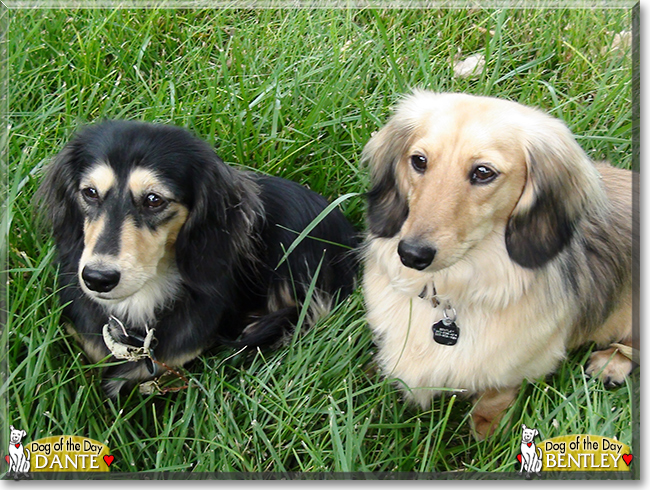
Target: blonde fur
[{"x": 535, "y": 262}]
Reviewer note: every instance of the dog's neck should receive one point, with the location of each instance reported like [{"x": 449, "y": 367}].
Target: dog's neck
[{"x": 485, "y": 279}]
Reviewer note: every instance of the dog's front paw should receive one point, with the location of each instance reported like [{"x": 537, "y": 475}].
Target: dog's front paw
[
  {"x": 489, "y": 410},
  {"x": 483, "y": 427},
  {"x": 610, "y": 365}
]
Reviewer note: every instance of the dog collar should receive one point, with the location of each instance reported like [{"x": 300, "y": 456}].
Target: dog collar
[
  {"x": 445, "y": 331},
  {"x": 433, "y": 297},
  {"x": 131, "y": 347}
]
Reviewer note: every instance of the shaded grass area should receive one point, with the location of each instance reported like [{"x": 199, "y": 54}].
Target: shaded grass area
[{"x": 293, "y": 93}]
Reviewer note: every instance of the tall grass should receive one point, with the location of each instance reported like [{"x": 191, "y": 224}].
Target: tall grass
[{"x": 293, "y": 93}]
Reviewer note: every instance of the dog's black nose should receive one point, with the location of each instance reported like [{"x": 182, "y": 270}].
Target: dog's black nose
[
  {"x": 100, "y": 280},
  {"x": 414, "y": 255}
]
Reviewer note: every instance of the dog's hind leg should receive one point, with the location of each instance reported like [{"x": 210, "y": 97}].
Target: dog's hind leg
[
  {"x": 613, "y": 364},
  {"x": 270, "y": 329},
  {"x": 277, "y": 326}
]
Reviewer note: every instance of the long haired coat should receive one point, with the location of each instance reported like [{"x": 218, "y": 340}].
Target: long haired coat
[
  {"x": 151, "y": 227},
  {"x": 490, "y": 212}
]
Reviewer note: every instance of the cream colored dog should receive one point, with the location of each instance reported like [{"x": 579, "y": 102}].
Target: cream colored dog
[{"x": 495, "y": 245}]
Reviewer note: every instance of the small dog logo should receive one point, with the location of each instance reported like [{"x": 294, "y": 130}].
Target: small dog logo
[
  {"x": 531, "y": 455},
  {"x": 18, "y": 461}
]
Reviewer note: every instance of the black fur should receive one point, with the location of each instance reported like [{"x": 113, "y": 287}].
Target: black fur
[
  {"x": 387, "y": 207},
  {"x": 227, "y": 252},
  {"x": 538, "y": 236}
]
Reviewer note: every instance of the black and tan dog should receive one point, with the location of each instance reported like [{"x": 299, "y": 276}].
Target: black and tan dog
[
  {"x": 494, "y": 246},
  {"x": 154, "y": 231}
]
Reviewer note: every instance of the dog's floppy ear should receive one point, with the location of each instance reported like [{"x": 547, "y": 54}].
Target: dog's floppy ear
[
  {"x": 57, "y": 199},
  {"x": 219, "y": 228},
  {"x": 562, "y": 185},
  {"x": 387, "y": 204}
]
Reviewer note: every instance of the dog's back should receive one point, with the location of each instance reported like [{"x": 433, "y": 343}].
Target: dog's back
[
  {"x": 327, "y": 256},
  {"x": 605, "y": 251}
]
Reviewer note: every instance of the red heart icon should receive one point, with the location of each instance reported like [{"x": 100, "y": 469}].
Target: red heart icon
[
  {"x": 17, "y": 445},
  {"x": 530, "y": 444},
  {"x": 8, "y": 459},
  {"x": 627, "y": 458},
  {"x": 108, "y": 459},
  {"x": 519, "y": 457}
]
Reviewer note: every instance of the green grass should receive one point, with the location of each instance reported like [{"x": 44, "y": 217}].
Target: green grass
[{"x": 293, "y": 93}]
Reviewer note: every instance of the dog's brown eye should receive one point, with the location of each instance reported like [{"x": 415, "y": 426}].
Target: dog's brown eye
[
  {"x": 482, "y": 175},
  {"x": 419, "y": 163},
  {"x": 152, "y": 201},
  {"x": 90, "y": 193}
]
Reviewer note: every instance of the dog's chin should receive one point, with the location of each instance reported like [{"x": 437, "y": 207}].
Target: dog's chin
[
  {"x": 110, "y": 298},
  {"x": 137, "y": 299},
  {"x": 412, "y": 282},
  {"x": 409, "y": 281},
  {"x": 433, "y": 268}
]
